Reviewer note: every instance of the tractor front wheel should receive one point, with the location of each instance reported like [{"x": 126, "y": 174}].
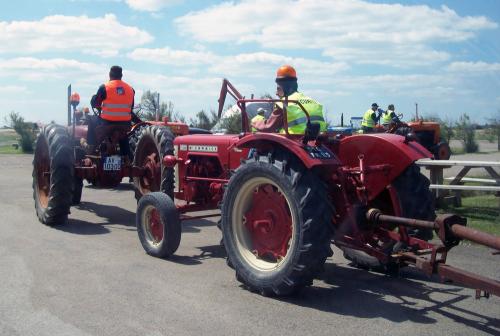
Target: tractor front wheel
[
  {"x": 158, "y": 225},
  {"x": 53, "y": 174},
  {"x": 276, "y": 224}
]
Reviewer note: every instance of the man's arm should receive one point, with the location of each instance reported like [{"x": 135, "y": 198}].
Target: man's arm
[
  {"x": 272, "y": 124},
  {"x": 99, "y": 97},
  {"x": 394, "y": 117}
]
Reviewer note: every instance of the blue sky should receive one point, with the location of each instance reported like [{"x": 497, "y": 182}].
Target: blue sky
[{"x": 444, "y": 55}]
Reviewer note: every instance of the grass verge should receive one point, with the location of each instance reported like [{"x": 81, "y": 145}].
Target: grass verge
[
  {"x": 10, "y": 150},
  {"x": 482, "y": 212}
]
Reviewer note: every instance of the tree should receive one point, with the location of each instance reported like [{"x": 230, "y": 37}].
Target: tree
[
  {"x": 447, "y": 131},
  {"x": 495, "y": 128},
  {"x": 26, "y": 131},
  {"x": 204, "y": 120},
  {"x": 232, "y": 124},
  {"x": 466, "y": 133},
  {"x": 150, "y": 104}
]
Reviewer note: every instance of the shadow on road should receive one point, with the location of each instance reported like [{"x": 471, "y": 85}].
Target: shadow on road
[
  {"x": 363, "y": 294},
  {"x": 193, "y": 225},
  {"x": 112, "y": 215},
  {"x": 207, "y": 252}
]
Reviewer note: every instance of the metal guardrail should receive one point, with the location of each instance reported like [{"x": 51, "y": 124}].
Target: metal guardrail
[{"x": 436, "y": 168}]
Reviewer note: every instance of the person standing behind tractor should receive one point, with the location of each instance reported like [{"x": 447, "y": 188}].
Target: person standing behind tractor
[
  {"x": 286, "y": 81},
  {"x": 371, "y": 118},
  {"x": 260, "y": 116},
  {"x": 389, "y": 117},
  {"x": 114, "y": 100}
]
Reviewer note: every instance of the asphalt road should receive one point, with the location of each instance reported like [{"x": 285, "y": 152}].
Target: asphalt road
[{"x": 92, "y": 277}]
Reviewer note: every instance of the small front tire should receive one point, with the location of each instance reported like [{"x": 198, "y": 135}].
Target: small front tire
[{"x": 158, "y": 224}]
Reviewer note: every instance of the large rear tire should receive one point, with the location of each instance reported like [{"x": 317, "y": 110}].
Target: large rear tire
[
  {"x": 276, "y": 224},
  {"x": 53, "y": 174},
  {"x": 154, "y": 143},
  {"x": 415, "y": 201},
  {"x": 158, "y": 225},
  {"x": 442, "y": 151}
]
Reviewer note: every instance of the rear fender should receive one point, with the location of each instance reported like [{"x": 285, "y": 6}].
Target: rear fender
[
  {"x": 380, "y": 149},
  {"x": 266, "y": 141}
]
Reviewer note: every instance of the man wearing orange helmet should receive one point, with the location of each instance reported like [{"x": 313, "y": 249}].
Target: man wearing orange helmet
[{"x": 286, "y": 81}]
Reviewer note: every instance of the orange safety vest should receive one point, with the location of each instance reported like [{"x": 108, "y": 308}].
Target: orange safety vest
[{"x": 118, "y": 103}]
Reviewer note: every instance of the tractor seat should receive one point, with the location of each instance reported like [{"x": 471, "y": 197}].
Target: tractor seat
[{"x": 115, "y": 132}]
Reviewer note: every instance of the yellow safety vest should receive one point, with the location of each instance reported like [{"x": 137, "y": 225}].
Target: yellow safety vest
[
  {"x": 258, "y": 117},
  {"x": 297, "y": 120},
  {"x": 386, "y": 117},
  {"x": 367, "y": 119}
]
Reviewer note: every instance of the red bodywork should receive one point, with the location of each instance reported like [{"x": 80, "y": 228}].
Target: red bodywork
[{"x": 203, "y": 166}]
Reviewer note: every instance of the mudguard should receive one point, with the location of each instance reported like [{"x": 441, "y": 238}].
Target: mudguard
[
  {"x": 273, "y": 140},
  {"x": 380, "y": 149}
]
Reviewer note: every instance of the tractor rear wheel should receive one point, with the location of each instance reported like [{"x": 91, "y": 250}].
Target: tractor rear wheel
[
  {"x": 415, "y": 201},
  {"x": 442, "y": 151},
  {"x": 158, "y": 225},
  {"x": 53, "y": 174},
  {"x": 276, "y": 224},
  {"x": 154, "y": 143},
  {"x": 133, "y": 139}
]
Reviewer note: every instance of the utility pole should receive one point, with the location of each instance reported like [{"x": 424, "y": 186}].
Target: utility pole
[
  {"x": 69, "y": 105},
  {"x": 157, "y": 107},
  {"x": 416, "y": 112}
]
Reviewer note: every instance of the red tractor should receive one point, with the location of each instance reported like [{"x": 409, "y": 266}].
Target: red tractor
[
  {"x": 283, "y": 206},
  {"x": 61, "y": 163}
]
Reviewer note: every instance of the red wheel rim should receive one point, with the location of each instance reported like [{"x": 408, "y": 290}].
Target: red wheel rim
[
  {"x": 149, "y": 159},
  {"x": 443, "y": 152},
  {"x": 269, "y": 223},
  {"x": 155, "y": 226},
  {"x": 42, "y": 171},
  {"x": 262, "y": 223}
]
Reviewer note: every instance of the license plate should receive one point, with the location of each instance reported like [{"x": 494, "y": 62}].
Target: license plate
[{"x": 113, "y": 163}]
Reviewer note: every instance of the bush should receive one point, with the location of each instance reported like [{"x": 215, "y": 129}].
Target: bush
[
  {"x": 465, "y": 132},
  {"x": 26, "y": 130}
]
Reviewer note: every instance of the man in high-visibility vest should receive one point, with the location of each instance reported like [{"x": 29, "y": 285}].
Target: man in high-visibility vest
[
  {"x": 371, "y": 118},
  {"x": 260, "y": 116},
  {"x": 286, "y": 81},
  {"x": 389, "y": 117},
  {"x": 114, "y": 100}
]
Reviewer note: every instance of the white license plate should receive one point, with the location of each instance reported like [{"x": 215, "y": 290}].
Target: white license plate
[{"x": 113, "y": 163}]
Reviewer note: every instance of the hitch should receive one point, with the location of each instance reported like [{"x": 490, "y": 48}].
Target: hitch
[{"x": 450, "y": 229}]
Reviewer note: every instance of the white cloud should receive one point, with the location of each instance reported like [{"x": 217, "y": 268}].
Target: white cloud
[
  {"x": 352, "y": 30},
  {"x": 258, "y": 64},
  {"x": 70, "y": 33},
  {"x": 474, "y": 67},
  {"x": 11, "y": 89},
  {"x": 151, "y": 5},
  {"x": 173, "y": 57},
  {"x": 35, "y": 69}
]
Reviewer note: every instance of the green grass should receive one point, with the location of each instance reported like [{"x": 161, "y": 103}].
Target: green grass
[
  {"x": 482, "y": 212},
  {"x": 10, "y": 150}
]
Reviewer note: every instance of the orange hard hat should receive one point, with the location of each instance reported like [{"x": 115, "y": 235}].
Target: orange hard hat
[{"x": 286, "y": 71}]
